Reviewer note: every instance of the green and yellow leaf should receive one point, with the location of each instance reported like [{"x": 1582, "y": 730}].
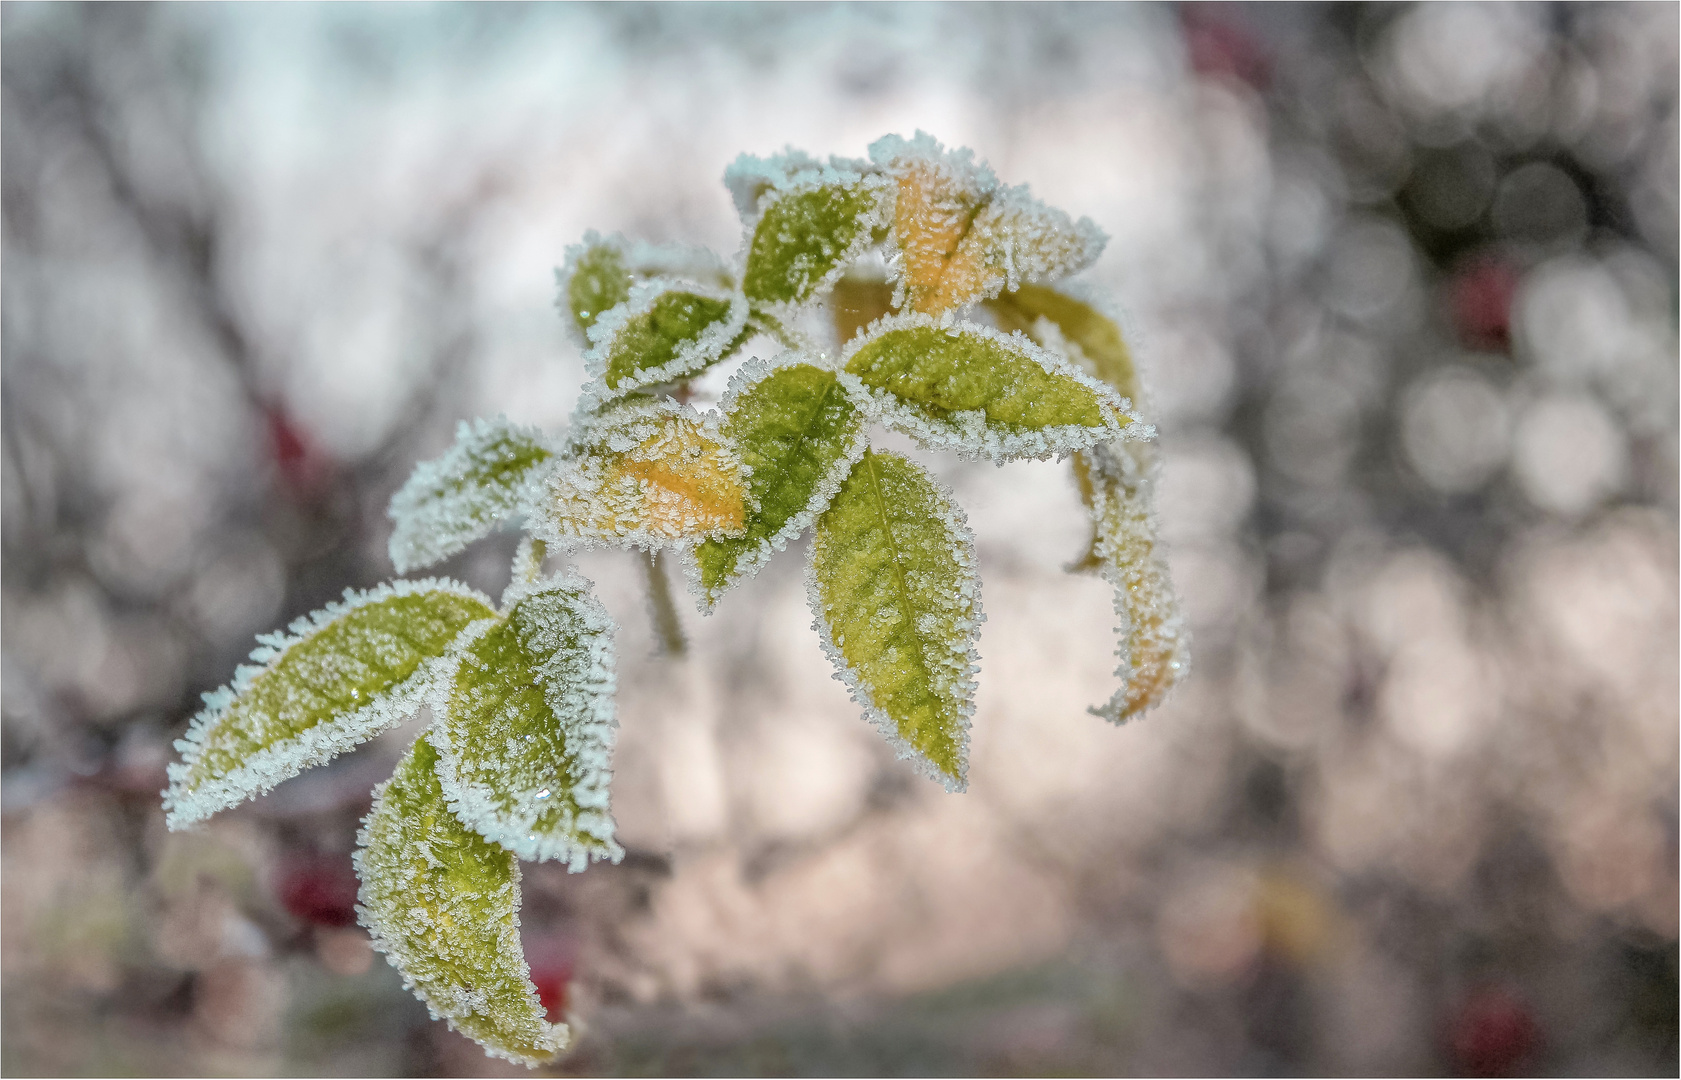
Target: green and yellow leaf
[
  {"x": 893, "y": 584},
  {"x": 961, "y": 236},
  {"x": 340, "y": 677},
  {"x": 798, "y": 434},
  {"x": 664, "y": 331},
  {"x": 807, "y": 233},
  {"x": 524, "y": 728},
  {"x": 1075, "y": 328},
  {"x": 958, "y": 386},
  {"x": 1117, "y": 482},
  {"x": 645, "y": 473},
  {"x": 442, "y": 904},
  {"x": 456, "y": 499}
]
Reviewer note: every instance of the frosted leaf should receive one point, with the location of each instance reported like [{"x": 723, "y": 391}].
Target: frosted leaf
[
  {"x": 892, "y": 582},
  {"x": 599, "y": 273},
  {"x": 342, "y": 675},
  {"x": 807, "y": 233},
  {"x": 642, "y": 472},
  {"x": 959, "y": 386},
  {"x": 960, "y": 235},
  {"x": 524, "y": 728},
  {"x": 798, "y": 434},
  {"x": 664, "y": 331},
  {"x": 1075, "y": 327},
  {"x": 749, "y": 178},
  {"x": 442, "y": 904},
  {"x": 1117, "y": 481},
  {"x": 454, "y": 500}
]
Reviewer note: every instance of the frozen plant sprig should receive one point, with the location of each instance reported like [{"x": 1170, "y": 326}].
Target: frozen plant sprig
[{"x": 963, "y": 343}]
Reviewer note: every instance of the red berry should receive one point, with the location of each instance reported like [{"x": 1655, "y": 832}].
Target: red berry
[
  {"x": 1493, "y": 1034},
  {"x": 552, "y": 982},
  {"x": 1480, "y": 294},
  {"x": 319, "y": 889}
]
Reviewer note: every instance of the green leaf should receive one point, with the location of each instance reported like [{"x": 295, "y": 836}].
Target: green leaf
[
  {"x": 456, "y": 499},
  {"x": 595, "y": 279},
  {"x": 961, "y": 236},
  {"x": 807, "y": 234},
  {"x": 962, "y": 387},
  {"x": 524, "y": 729},
  {"x": 1117, "y": 482},
  {"x": 443, "y": 906},
  {"x": 892, "y": 581},
  {"x": 642, "y": 472},
  {"x": 664, "y": 331},
  {"x": 598, "y": 274},
  {"x": 342, "y": 676},
  {"x": 798, "y": 435},
  {"x": 1075, "y": 328}
]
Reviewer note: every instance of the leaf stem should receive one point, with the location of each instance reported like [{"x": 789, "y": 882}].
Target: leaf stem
[{"x": 668, "y": 626}]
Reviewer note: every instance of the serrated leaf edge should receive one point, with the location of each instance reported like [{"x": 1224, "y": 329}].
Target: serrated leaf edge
[{"x": 274, "y": 764}]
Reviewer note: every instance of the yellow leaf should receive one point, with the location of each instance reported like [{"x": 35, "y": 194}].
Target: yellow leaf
[{"x": 646, "y": 474}]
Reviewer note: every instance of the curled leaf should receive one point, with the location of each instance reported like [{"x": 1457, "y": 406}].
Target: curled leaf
[
  {"x": 449, "y": 502},
  {"x": 442, "y": 904},
  {"x": 963, "y": 387},
  {"x": 643, "y": 473},
  {"x": 524, "y": 729},
  {"x": 962, "y": 236},
  {"x": 664, "y": 331},
  {"x": 798, "y": 434},
  {"x": 807, "y": 233},
  {"x": 340, "y": 677},
  {"x": 1117, "y": 482},
  {"x": 893, "y": 584}
]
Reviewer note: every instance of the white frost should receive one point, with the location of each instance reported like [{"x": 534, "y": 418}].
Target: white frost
[
  {"x": 283, "y": 760},
  {"x": 969, "y": 433}
]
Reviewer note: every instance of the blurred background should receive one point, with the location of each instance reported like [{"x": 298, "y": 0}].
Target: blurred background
[{"x": 1403, "y": 279}]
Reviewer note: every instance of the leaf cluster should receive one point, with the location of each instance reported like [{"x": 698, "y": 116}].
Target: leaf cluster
[{"x": 958, "y": 339}]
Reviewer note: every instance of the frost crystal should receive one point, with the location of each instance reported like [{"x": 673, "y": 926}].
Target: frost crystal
[
  {"x": 798, "y": 435},
  {"x": 599, "y": 273},
  {"x": 807, "y": 233},
  {"x": 525, "y": 725},
  {"x": 448, "y": 503},
  {"x": 958, "y": 386},
  {"x": 664, "y": 331},
  {"x": 1117, "y": 482},
  {"x": 1154, "y": 643},
  {"x": 342, "y": 675},
  {"x": 642, "y": 472},
  {"x": 962, "y": 236},
  {"x": 442, "y": 904},
  {"x": 893, "y": 584},
  {"x": 748, "y": 178}
]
